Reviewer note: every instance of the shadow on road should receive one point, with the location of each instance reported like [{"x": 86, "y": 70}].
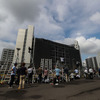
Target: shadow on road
[
  {"x": 59, "y": 86},
  {"x": 78, "y": 82},
  {"x": 35, "y": 96},
  {"x": 1, "y": 91},
  {"x": 31, "y": 85},
  {"x": 84, "y": 92},
  {"x": 14, "y": 94}
]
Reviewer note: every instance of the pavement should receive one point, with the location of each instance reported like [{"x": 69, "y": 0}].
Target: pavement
[{"x": 82, "y": 89}]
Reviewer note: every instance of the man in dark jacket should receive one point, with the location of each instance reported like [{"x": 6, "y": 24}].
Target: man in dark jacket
[
  {"x": 23, "y": 72},
  {"x": 66, "y": 72},
  {"x": 40, "y": 74}
]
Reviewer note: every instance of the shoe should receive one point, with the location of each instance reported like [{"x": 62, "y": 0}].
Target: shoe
[
  {"x": 10, "y": 87},
  {"x": 69, "y": 80},
  {"x": 51, "y": 83},
  {"x": 56, "y": 84},
  {"x": 19, "y": 88},
  {"x": 66, "y": 80},
  {"x": 56, "y": 80}
]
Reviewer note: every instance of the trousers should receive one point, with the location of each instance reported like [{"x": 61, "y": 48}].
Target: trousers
[{"x": 22, "y": 81}]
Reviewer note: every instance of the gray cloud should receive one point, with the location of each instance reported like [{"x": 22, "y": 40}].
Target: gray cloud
[
  {"x": 23, "y": 10},
  {"x": 2, "y": 18},
  {"x": 74, "y": 16},
  {"x": 89, "y": 46},
  {"x": 95, "y": 18}
]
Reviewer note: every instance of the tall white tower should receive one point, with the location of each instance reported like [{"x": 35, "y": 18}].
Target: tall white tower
[
  {"x": 98, "y": 59},
  {"x": 23, "y": 42}
]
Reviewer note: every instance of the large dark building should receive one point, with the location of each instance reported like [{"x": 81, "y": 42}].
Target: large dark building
[{"x": 46, "y": 50}]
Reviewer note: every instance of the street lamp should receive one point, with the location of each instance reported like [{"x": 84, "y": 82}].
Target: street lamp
[
  {"x": 17, "y": 59},
  {"x": 30, "y": 51}
]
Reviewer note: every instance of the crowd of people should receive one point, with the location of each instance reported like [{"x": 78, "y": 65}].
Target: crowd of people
[
  {"x": 21, "y": 75},
  {"x": 54, "y": 76},
  {"x": 90, "y": 73}
]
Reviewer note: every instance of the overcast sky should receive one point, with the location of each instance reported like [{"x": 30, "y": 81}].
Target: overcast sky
[{"x": 57, "y": 20}]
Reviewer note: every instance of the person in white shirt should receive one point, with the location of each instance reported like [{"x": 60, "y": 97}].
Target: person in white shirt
[
  {"x": 86, "y": 73},
  {"x": 90, "y": 70},
  {"x": 30, "y": 74},
  {"x": 91, "y": 73},
  {"x": 76, "y": 71},
  {"x": 13, "y": 74}
]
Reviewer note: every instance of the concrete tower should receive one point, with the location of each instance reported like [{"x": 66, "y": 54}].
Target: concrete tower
[
  {"x": 98, "y": 59},
  {"x": 23, "y": 42}
]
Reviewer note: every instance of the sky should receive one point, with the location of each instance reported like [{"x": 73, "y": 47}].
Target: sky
[{"x": 63, "y": 21}]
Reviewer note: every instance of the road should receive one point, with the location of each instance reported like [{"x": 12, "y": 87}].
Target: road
[{"x": 76, "y": 90}]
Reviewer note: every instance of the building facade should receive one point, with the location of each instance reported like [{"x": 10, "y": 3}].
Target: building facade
[
  {"x": 46, "y": 49},
  {"x": 7, "y": 55},
  {"x": 23, "y": 42},
  {"x": 98, "y": 59},
  {"x": 92, "y": 62}
]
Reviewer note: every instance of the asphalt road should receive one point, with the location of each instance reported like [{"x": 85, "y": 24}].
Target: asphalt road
[{"x": 76, "y": 90}]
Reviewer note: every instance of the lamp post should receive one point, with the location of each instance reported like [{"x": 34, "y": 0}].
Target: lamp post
[
  {"x": 17, "y": 59},
  {"x": 30, "y": 51}
]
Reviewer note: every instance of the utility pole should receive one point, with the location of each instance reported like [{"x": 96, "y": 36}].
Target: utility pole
[{"x": 17, "y": 59}]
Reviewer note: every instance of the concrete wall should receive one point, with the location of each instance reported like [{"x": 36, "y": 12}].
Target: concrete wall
[
  {"x": 98, "y": 59},
  {"x": 92, "y": 62},
  {"x": 30, "y": 33},
  {"x": 19, "y": 44},
  {"x": 24, "y": 41}
]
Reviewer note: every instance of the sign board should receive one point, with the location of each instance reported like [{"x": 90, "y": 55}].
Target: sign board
[{"x": 61, "y": 59}]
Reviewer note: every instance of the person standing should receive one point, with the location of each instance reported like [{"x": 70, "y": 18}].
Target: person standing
[
  {"x": 57, "y": 71},
  {"x": 40, "y": 74},
  {"x": 91, "y": 73},
  {"x": 76, "y": 71},
  {"x": 23, "y": 73},
  {"x": 30, "y": 74},
  {"x": 13, "y": 73},
  {"x": 86, "y": 73},
  {"x": 66, "y": 72},
  {"x": 18, "y": 76},
  {"x": 45, "y": 74}
]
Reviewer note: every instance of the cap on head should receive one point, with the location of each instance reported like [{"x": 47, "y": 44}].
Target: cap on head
[
  {"x": 15, "y": 64},
  {"x": 22, "y": 64}
]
